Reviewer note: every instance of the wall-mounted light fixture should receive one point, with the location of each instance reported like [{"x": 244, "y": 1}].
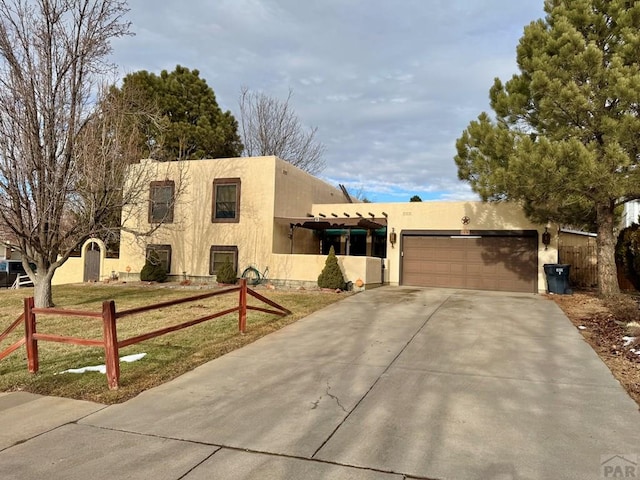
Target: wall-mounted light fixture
[
  {"x": 546, "y": 238},
  {"x": 393, "y": 238}
]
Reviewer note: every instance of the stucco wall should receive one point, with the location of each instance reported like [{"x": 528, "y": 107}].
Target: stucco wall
[
  {"x": 295, "y": 192},
  {"x": 270, "y": 188},
  {"x": 306, "y": 268},
  {"x": 72, "y": 271},
  {"x": 304, "y": 241},
  {"x": 192, "y": 233},
  {"x": 445, "y": 216}
]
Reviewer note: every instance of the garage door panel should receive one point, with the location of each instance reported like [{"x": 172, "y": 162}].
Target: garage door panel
[
  {"x": 475, "y": 283},
  {"x": 434, "y": 254},
  {"x": 504, "y": 263},
  {"x": 431, "y": 267},
  {"x": 441, "y": 280},
  {"x": 457, "y": 269},
  {"x": 481, "y": 269},
  {"x": 474, "y": 258}
]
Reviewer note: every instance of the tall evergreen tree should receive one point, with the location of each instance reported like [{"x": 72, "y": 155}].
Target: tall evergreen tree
[
  {"x": 194, "y": 126},
  {"x": 565, "y": 138}
]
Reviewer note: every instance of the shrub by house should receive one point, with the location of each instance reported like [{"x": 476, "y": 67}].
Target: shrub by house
[
  {"x": 153, "y": 271},
  {"x": 331, "y": 275},
  {"x": 226, "y": 274}
]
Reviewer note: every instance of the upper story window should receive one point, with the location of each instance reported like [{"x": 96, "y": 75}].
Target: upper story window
[
  {"x": 161, "y": 201},
  {"x": 226, "y": 200}
]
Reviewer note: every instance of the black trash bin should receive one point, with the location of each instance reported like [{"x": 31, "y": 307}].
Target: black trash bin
[{"x": 557, "y": 278}]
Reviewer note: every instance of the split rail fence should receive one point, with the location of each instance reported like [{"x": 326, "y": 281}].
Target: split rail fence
[
  {"x": 11, "y": 348},
  {"x": 110, "y": 316}
]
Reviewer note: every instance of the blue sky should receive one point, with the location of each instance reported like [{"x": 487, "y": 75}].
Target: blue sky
[{"x": 390, "y": 85}]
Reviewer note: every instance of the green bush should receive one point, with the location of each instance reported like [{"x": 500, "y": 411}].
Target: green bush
[
  {"x": 226, "y": 273},
  {"x": 331, "y": 275},
  {"x": 628, "y": 253},
  {"x": 153, "y": 271}
]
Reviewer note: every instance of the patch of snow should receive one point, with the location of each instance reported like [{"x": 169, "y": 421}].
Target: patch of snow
[
  {"x": 582, "y": 327},
  {"x": 133, "y": 358},
  {"x": 102, "y": 368},
  {"x": 93, "y": 368},
  {"x": 628, "y": 340}
]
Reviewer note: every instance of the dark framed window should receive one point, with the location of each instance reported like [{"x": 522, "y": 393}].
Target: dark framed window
[
  {"x": 163, "y": 253},
  {"x": 161, "y": 201},
  {"x": 220, "y": 254},
  {"x": 226, "y": 200},
  {"x": 113, "y": 245}
]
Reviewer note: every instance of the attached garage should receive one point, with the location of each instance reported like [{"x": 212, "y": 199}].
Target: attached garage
[{"x": 497, "y": 260}]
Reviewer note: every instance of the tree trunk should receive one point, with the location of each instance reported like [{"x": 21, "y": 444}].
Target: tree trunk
[
  {"x": 606, "y": 243},
  {"x": 42, "y": 291}
]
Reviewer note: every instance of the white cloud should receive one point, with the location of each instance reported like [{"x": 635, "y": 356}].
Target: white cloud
[{"x": 390, "y": 85}]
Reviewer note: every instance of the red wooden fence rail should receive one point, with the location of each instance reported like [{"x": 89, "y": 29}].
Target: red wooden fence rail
[
  {"x": 109, "y": 316},
  {"x": 13, "y": 347}
]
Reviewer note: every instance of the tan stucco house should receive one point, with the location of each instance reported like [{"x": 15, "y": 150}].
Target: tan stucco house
[{"x": 264, "y": 212}]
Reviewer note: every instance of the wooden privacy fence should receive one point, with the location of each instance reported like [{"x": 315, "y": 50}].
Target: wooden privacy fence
[
  {"x": 584, "y": 264},
  {"x": 109, "y": 316}
]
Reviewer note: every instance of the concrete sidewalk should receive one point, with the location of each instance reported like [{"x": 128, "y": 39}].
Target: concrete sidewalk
[{"x": 390, "y": 383}]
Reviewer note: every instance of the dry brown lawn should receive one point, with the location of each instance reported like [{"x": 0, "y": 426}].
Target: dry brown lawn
[{"x": 166, "y": 357}]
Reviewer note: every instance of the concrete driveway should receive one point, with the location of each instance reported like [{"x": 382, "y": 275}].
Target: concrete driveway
[{"x": 390, "y": 383}]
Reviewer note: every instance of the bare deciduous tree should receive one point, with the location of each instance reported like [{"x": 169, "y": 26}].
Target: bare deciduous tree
[
  {"x": 270, "y": 127},
  {"x": 65, "y": 143},
  {"x": 111, "y": 183}
]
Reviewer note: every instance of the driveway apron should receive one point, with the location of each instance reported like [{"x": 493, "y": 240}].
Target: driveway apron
[{"x": 390, "y": 383}]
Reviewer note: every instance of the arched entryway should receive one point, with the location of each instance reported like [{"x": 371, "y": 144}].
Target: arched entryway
[{"x": 92, "y": 262}]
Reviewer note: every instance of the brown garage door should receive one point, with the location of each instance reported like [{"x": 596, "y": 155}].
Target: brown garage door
[{"x": 504, "y": 263}]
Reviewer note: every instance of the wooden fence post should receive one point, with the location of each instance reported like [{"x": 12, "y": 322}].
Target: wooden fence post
[
  {"x": 112, "y": 360},
  {"x": 242, "y": 313},
  {"x": 29, "y": 330}
]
